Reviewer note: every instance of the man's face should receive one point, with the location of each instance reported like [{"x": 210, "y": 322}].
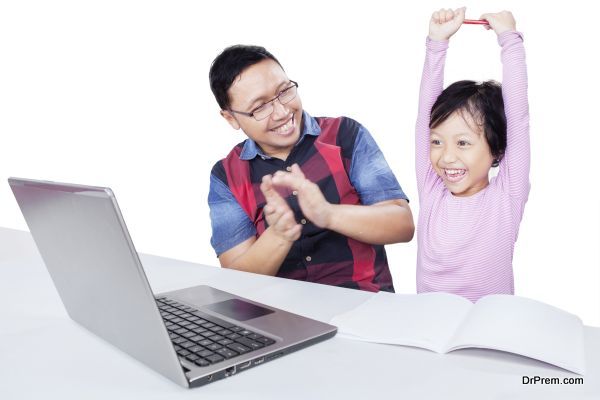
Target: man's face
[
  {"x": 278, "y": 133},
  {"x": 460, "y": 154}
]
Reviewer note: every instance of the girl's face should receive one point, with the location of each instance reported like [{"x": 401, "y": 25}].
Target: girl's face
[{"x": 460, "y": 154}]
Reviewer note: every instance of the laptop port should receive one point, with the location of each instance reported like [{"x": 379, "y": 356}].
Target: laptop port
[
  {"x": 245, "y": 365},
  {"x": 258, "y": 360},
  {"x": 209, "y": 378},
  {"x": 274, "y": 356},
  {"x": 230, "y": 371}
]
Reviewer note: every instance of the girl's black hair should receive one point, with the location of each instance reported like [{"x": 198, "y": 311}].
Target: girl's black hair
[{"x": 483, "y": 101}]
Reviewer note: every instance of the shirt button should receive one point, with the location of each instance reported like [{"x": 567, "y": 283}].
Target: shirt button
[
  {"x": 295, "y": 193},
  {"x": 288, "y": 169},
  {"x": 303, "y": 221},
  {"x": 308, "y": 258}
]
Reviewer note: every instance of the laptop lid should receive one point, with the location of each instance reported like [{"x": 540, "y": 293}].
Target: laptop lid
[{"x": 83, "y": 240}]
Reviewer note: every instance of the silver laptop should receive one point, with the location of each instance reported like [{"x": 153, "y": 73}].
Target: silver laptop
[{"x": 192, "y": 336}]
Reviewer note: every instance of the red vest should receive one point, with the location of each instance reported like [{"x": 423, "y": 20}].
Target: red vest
[{"x": 319, "y": 255}]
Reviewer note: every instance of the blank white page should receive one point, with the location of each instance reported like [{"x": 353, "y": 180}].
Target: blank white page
[
  {"x": 426, "y": 320},
  {"x": 524, "y": 326}
]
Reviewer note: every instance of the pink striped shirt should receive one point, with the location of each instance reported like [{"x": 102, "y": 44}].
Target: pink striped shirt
[{"x": 466, "y": 244}]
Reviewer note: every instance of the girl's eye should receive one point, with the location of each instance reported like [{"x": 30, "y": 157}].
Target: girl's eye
[
  {"x": 463, "y": 143},
  {"x": 435, "y": 142}
]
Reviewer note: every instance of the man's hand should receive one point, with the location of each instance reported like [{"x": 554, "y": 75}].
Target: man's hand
[
  {"x": 445, "y": 22},
  {"x": 278, "y": 213},
  {"x": 312, "y": 202}
]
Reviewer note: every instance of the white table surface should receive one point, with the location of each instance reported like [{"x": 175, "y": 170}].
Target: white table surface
[{"x": 43, "y": 354}]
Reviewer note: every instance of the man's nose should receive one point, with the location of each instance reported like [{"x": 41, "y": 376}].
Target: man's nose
[{"x": 279, "y": 110}]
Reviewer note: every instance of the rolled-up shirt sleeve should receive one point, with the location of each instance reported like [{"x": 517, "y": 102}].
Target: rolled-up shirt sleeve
[
  {"x": 370, "y": 173},
  {"x": 230, "y": 224}
]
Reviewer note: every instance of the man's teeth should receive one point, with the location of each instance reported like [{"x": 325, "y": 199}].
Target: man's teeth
[{"x": 284, "y": 128}]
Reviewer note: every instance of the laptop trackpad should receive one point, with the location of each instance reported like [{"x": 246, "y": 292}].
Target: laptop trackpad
[{"x": 238, "y": 309}]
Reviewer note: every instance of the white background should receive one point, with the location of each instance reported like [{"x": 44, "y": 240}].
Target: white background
[{"x": 116, "y": 93}]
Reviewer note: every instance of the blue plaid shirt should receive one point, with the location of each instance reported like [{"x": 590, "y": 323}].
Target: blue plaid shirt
[{"x": 369, "y": 174}]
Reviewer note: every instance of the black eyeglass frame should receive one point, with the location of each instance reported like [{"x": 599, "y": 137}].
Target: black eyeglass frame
[{"x": 251, "y": 113}]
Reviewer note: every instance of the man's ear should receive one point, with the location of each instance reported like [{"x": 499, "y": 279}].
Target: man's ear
[{"x": 229, "y": 118}]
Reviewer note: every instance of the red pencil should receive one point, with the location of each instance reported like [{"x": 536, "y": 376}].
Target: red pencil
[{"x": 476, "y": 22}]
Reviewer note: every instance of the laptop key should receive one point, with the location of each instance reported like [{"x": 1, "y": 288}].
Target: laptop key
[
  {"x": 201, "y": 362},
  {"x": 205, "y": 353},
  {"x": 214, "y": 320},
  {"x": 250, "y": 343},
  {"x": 215, "y": 358},
  {"x": 265, "y": 340},
  {"x": 215, "y": 329},
  {"x": 227, "y": 353},
  {"x": 234, "y": 336},
  {"x": 240, "y": 348},
  {"x": 192, "y": 357},
  {"x": 225, "y": 342},
  {"x": 183, "y": 353},
  {"x": 196, "y": 349},
  {"x": 214, "y": 346},
  {"x": 253, "y": 336}
]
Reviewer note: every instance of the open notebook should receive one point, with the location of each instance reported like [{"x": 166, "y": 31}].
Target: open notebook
[{"x": 444, "y": 322}]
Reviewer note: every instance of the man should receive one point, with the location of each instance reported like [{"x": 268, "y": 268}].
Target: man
[{"x": 303, "y": 198}]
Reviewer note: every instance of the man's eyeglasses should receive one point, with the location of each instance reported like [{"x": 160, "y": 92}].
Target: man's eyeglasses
[{"x": 264, "y": 110}]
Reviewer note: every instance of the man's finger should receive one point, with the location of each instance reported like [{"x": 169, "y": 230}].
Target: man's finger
[
  {"x": 267, "y": 189},
  {"x": 296, "y": 170},
  {"x": 289, "y": 180}
]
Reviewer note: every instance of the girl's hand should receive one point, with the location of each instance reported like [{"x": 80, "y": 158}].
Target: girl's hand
[
  {"x": 500, "y": 22},
  {"x": 445, "y": 22}
]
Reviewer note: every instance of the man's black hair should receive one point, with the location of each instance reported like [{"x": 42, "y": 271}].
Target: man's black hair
[{"x": 229, "y": 64}]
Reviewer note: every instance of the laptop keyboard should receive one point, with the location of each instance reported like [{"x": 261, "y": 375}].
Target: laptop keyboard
[{"x": 204, "y": 339}]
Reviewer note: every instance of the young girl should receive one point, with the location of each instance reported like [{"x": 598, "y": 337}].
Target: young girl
[{"x": 468, "y": 224}]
